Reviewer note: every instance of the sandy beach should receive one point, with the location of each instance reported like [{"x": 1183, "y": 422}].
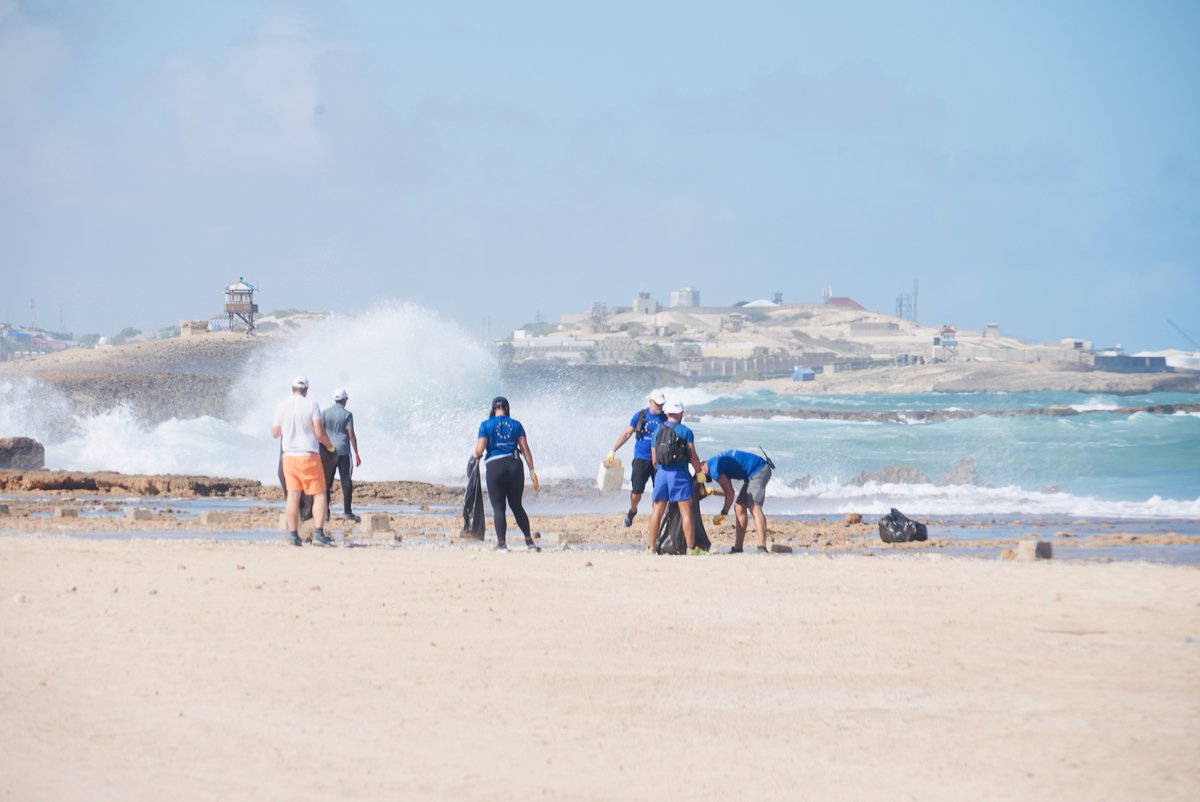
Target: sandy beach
[{"x": 143, "y": 669}]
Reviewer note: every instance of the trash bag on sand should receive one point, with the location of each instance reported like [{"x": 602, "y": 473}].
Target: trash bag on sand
[
  {"x": 896, "y": 527},
  {"x": 670, "y": 531},
  {"x": 473, "y": 502}
]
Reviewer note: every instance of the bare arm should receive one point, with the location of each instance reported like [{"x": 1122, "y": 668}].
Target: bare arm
[
  {"x": 480, "y": 447},
  {"x": 276, "y": 430},
  {"x": 726, "y": 491},
  {"x": 698, "y": 467},
  {"x": 625, "y": 435},
  {"x": 524, "y": 445},
  {"x": 353, "y": 440}
]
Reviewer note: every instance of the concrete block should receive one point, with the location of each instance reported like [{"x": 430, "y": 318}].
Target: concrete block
[
  {"x": 780, "y": 548},
  {"x": 1030, "y": 550},
  {"x": 66, "y": 512},
  {"x": 214, "y": 517},
  {"x": 376, "y": 522},
  {"x": 3, "y": 509},
  {"x": 138, "y": 515}
]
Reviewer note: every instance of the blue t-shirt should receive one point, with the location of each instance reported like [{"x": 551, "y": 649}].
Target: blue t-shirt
[
  {"x": 735, "y": 464},
  {"x": 643, "y": 448},
  {"x": 502, "y": 433},
  {"x": 686, "y": 434}
]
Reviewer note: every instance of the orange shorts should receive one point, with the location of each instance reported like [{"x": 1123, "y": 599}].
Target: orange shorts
[{"x": 304, "y": 473}]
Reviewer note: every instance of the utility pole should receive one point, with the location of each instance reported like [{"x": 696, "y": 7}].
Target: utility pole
[{"x": 33, "y": 312}]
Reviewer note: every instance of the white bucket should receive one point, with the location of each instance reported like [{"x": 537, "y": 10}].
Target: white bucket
[{"x": 608, "y": 480}]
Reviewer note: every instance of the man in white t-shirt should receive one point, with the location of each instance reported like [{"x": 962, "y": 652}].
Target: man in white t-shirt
[{"x": 298, "y": 423}]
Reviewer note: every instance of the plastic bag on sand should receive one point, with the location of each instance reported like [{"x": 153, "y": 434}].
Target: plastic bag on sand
[{"x": 895, "y": 527}]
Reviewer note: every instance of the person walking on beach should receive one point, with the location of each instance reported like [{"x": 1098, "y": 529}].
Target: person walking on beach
[
  {"x": 754, "y": 472},
  {"x": 299, "y": 426},
  {"x": 642, "y": 427},
  {"x": 502, "y": 438},
  {"x": 339, "y": 425},
  {"x": 674, "y": 451}
]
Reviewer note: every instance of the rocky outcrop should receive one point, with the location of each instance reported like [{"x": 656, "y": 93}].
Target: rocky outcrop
[
  {"x": 961, "y": 474},
  {"x": 22, "y": 453},
  {"x": 891, "y": 475},
  {"x": 113, "y": 482}
]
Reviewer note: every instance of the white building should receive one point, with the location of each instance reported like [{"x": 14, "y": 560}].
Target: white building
[
  {"x": 685, "y": 297},
  {"x": 644, "y": 304}
]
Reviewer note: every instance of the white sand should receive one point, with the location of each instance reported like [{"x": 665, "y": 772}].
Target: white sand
[{"x": 196, "y": 670}]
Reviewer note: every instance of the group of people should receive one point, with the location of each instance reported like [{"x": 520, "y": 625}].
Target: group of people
[
  {"x": 315, "y": 443},
  {"x": 663, "y": 451},
  {"x": 313, "y": 446}
]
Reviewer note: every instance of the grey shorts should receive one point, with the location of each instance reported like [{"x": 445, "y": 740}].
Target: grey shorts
[{"x": 754, "y": 489}]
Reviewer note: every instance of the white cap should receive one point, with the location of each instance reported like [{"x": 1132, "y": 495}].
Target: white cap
[
  {"x": 301, "y": 382},
  {"x": 340, "y": 395},
  {"x": 674, "y": 408},
  {"x": 657, "y": 397}
]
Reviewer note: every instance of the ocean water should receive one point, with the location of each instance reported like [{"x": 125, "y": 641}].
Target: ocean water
[{"x": 419, "y": 386}]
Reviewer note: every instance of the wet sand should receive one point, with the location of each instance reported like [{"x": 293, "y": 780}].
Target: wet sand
[{"x": 139, "y": 669}]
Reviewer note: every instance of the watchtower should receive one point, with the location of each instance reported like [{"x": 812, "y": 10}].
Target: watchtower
[{"x": 239, "y": 304}]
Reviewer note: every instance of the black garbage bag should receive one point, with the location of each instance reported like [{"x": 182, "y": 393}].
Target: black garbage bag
[
  {"x": 896, "y": 527},
  {"x": 473, "y": 502},
  {"x": 670, "y": 532}
]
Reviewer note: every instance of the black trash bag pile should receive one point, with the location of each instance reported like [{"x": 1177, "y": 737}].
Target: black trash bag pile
[
  {"x": 896, "y": 527},
  {"x": 473, "y": 502},
  {"x": 670, "y": 532}
]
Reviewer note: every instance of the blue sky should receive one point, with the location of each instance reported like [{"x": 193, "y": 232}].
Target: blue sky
[{"x": 1032, "y": 164}]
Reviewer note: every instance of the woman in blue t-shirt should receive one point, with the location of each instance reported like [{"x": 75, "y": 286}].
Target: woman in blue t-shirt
[{"x": 502, "y": 439}]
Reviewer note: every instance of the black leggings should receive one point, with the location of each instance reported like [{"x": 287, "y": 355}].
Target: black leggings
[{"x": 506, "y": 483}]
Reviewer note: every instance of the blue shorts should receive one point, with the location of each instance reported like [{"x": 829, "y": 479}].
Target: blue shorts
[{"x": 672, "y": 485}]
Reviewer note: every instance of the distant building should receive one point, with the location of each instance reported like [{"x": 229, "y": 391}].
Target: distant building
[
  {"x": 992, "y": 331},
  {"x": 644, "y": 304},
  {"x": 859, "y": 328},
  {"x": 191, "y": 328},
  {"x": 685, "y": 297},
  {"x": 842, "y": 302},
  {"x": 1122, "y": 363}
]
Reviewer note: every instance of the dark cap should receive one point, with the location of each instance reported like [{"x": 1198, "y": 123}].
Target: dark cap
[{"x": 498, "y": 401}]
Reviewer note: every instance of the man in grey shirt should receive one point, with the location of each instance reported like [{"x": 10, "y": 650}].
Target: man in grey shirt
[{"x": 339, "y": 424}]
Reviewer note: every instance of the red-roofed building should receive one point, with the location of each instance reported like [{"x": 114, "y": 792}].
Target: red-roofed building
[{"x": 843, "y": 302}]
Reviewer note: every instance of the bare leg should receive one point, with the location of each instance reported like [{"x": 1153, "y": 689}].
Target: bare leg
[
  {"x": 656, "y": 514},
  {"x": 689, "y": 524},
  {"x": 634, "y": 500},
  {"x": 320, "y": 509},
  {"x": 739, "y": 516},
  {"x": 292, "y": 510},
  {"x": 760, "y": 521}
]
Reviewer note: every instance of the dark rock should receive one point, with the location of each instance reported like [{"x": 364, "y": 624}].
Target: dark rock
[
  {"x": 22, "y": 454},
  {"x": 961, "y": 474},
  {"x": 891, "y": 474}
]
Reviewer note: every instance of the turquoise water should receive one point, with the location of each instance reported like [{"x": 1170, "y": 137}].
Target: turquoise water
[{"x": 419, "y": 387}]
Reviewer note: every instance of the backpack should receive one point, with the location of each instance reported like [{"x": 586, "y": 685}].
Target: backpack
[
  {"x": 639, "y": 431},
  {"x": 669, "y": 448},
  {"x": 896, "y": 527}
]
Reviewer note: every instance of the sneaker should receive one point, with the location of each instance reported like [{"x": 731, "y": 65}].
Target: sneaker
[
  {"x": 696, "y": 552},
  {"x": 349, "y": 516},
  {"x": 321, "y": 539},
  {"x": 293, "y": 538},
  {"x": 531, "y": 546},
  {"x": 629, "y": 516},
  {"x": 501, "y": 546},
  {"x": 762, "y": 550},
  {"x": 651, "y": 552},
  {"x": 735, "y": 550}
]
